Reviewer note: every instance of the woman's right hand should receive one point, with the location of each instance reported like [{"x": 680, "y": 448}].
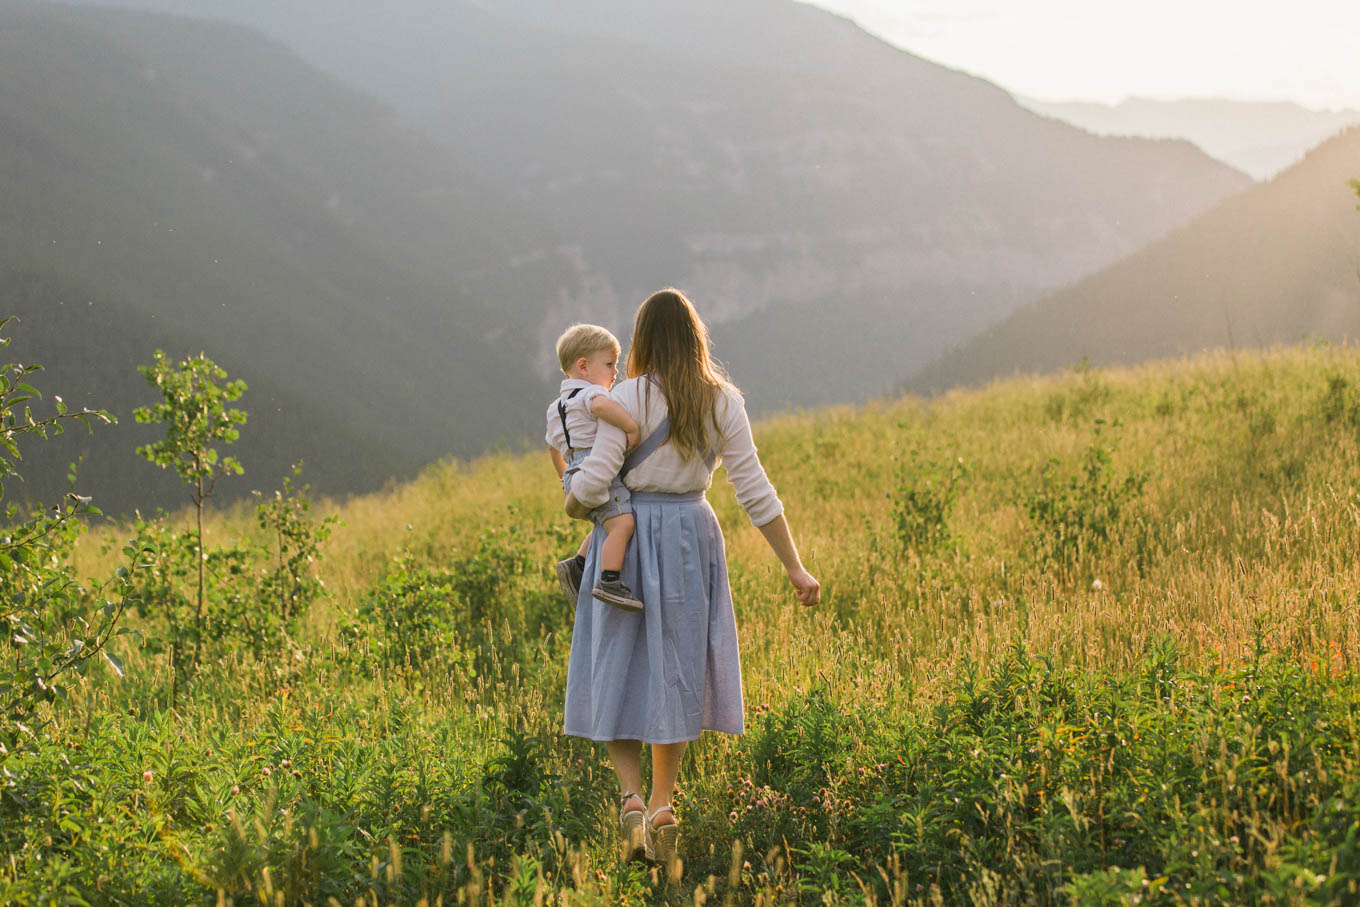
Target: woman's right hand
[{"x": 806, "y": 588}]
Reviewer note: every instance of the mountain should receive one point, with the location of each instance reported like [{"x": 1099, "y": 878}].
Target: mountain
[
  {"x": 1260, "y": 138},
  {"x": 167, "y": 182},
  {"x": 827, "y": 199},
  {"x": 1276, "y": 264}
]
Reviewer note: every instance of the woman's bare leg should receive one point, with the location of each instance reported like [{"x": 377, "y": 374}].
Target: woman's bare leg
[
  {"x": 627, "y": 758},
  {"x": 665, "y": 769}
]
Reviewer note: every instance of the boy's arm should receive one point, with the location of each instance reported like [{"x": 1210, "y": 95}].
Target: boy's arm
[
  {"x": 607, "y": 410},
  {"x": 558, "y": 463}
]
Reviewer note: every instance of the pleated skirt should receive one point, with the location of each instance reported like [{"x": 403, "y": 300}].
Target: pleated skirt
[{"x": 673, "y": 670}]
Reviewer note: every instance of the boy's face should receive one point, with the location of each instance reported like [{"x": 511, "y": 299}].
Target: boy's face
[{"x": 600, "y": 367}]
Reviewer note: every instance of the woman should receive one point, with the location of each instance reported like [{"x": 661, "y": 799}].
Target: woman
[{"x": 663, "y": 675}]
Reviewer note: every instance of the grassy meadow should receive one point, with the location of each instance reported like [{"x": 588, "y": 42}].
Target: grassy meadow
[{"x": 1088, "y": 638}]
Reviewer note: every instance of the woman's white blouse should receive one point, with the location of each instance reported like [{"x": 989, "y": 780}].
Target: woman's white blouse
[{"x": 666, "y": 470}]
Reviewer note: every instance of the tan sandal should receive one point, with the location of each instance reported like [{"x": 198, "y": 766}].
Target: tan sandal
[
  {"x": 664, "y": 842},
  {"x": 634, "y": 845}
]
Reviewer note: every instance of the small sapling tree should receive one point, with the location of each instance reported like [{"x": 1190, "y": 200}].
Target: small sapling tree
[
  {"x": 292, "y": 584},
  {"x": 193, "y": 408}
]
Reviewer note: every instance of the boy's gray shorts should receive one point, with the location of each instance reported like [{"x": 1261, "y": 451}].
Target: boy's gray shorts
[{"x": 619, "y": 503}]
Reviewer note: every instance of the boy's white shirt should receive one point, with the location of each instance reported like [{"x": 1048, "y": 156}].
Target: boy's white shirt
[
  {"x": 581, "y": 422},
  {"x": 666, "y": 470}
]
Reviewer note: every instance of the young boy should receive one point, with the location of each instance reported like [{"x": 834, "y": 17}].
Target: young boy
[{"x": 589, "y": 355}]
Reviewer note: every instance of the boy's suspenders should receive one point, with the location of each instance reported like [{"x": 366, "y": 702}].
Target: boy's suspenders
[{"x": 562, "y": 414}]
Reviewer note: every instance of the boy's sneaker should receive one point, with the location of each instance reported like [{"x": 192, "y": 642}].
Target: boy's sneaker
[
  {"x": 615, "y": 592},
  {"x": 569, "y": 575}
]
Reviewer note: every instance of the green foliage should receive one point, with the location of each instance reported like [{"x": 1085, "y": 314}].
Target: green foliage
[
  {"x": 922, "y": 502},
  {"x": 16, "y": 412},
  {"x": 1340, "y": 403},
  {"x": 1047, "y": 780},
  {"x": 196, "y": 417},
  {"x": 412, "y": 614},
  {"x": 978, "y": 733},
  {"x": 54, "y": 624},
  {"x": 1113, "y": 887},
  {"x": 1075, "y": 512},
  {"x": 235, "y": 612},
  {"x": 292, "y": 583},
  {"x": 1078, "y": 401},
  {"x": 799, "y": 749},
  {"x": 419, "y": 613},
  {"x": 254, "y": 596},
  {"x": 522, "y": 803}
]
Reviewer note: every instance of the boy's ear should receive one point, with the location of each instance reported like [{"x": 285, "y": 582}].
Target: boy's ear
[{"x": 582, "y": 362}]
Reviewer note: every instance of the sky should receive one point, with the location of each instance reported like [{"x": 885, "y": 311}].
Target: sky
[{"x": 1307, "y": 51}]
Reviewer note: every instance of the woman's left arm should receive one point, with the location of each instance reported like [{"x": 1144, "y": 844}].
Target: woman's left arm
[
  {"x": 805, "y": 586},
  {"x": 755, "y": 493}
]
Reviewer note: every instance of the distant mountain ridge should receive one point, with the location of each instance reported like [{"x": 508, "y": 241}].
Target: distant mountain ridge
[
  {"x": 1260, "y": 138},
  {"x": 771, "y": 158},
  {"x": 839, "y": 214},
  {"x": 188, "y": 184},
  {"x": 1277, "y": 264}
]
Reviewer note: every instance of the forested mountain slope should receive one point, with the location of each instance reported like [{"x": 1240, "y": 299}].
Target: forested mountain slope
[
  {"x": 188, "y": 184},
  {"x": 823, "y": 195},
  {"x": 1277, "y": 264}
]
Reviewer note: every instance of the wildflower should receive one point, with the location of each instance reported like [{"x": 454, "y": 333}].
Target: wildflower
[
  {"x": 732, "y": 815},
  {"x": 1097, "y": 585},
  {"x": 266, "y": 771},
  {"x": 236, "y": 788},
  {"x": 146, "y": 775},
  {"x": 285, "y": 763}
]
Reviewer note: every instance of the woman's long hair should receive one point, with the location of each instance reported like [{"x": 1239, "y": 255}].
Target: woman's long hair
[{"x": 671, "y": 342}]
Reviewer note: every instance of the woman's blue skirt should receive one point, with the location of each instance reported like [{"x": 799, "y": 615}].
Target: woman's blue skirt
[{"x": 672, "y": 670}]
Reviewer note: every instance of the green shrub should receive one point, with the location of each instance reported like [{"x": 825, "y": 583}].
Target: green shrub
[
  {"x": 166, "y": 596},
  {"x": 1340, "y": 403},
  {"x": 413, "y": 613},
  {"x": 1075, "y": 512},
  {"x": 923, "y": 501},
  {"x": 54, "y": 624},
  {"x": 290, "y": 584}
]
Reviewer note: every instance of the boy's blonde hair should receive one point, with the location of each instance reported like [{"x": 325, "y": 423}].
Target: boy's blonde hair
[{"x": 582, "y": 340}]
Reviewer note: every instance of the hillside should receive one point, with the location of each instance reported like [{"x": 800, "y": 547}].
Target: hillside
[
  {"x": 1277, "y": 264},
  {"x": 1101, "y": 625},
  {"x": 1260, "y": 138},
  {"x": 768, "y": 157},
  {"x": 193, "y": 185}
]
